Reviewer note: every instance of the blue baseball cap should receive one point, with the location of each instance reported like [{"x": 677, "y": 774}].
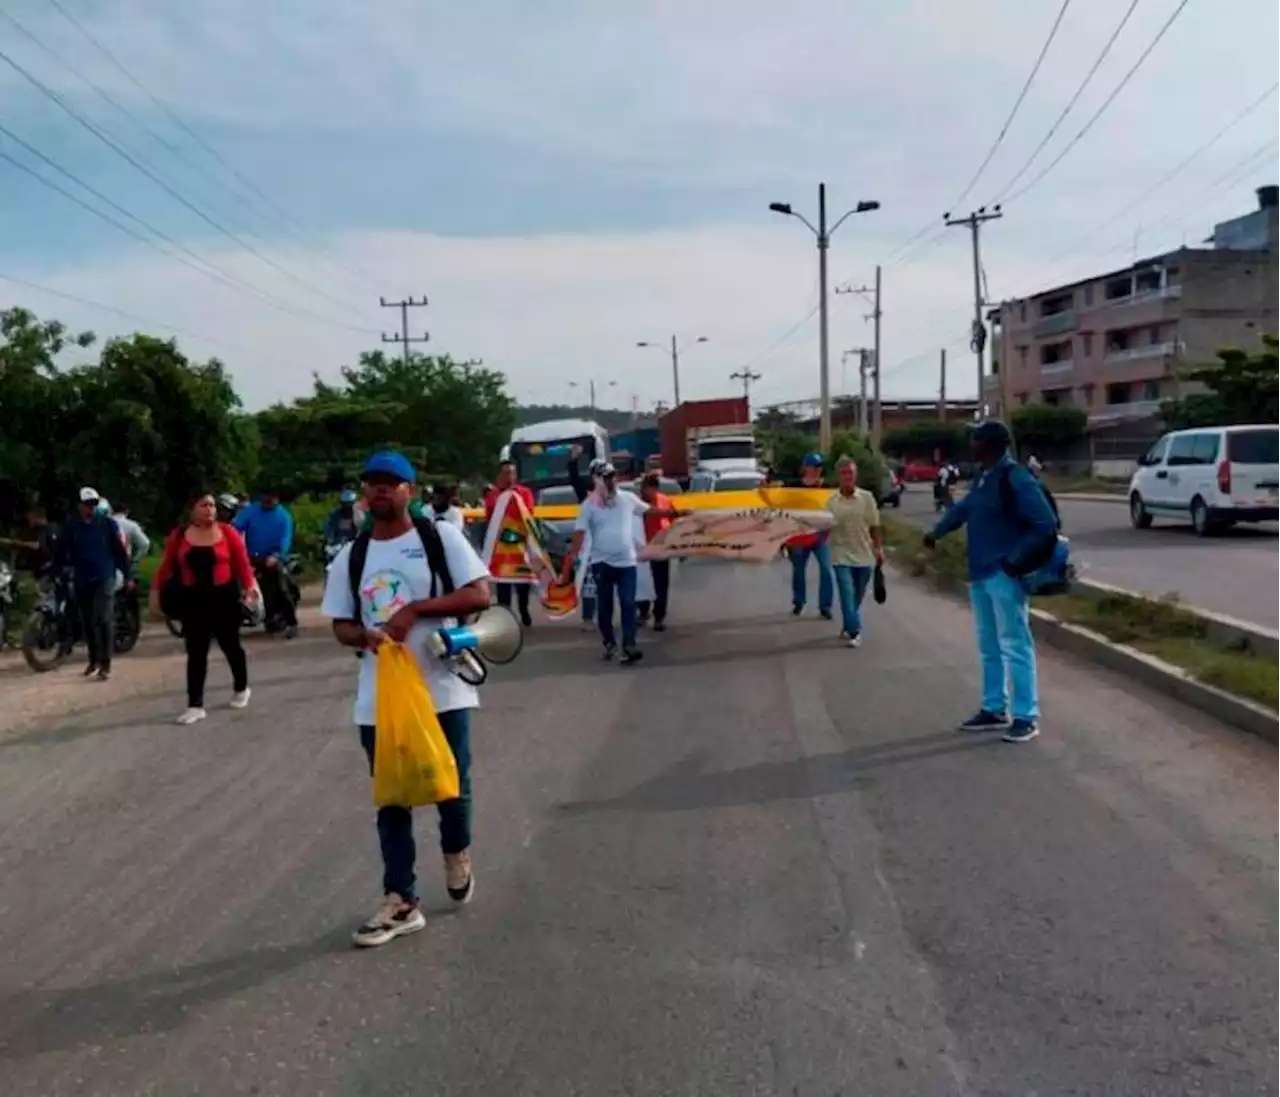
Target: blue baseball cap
[
  {"x": 388, "y": 462},
  {"x": 812, "y": 461}
]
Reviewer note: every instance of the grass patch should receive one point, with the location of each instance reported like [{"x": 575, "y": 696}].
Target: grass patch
[{"x": 1159, "y": 628}]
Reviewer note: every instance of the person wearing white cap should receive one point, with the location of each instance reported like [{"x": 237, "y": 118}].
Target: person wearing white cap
[{"x": 91, "y": 546}]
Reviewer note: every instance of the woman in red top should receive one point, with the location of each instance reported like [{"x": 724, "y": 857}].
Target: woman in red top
[{"x": 211, "y": 564}]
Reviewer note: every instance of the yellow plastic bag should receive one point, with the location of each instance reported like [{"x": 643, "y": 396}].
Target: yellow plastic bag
[{"x": 412, "y": 762}]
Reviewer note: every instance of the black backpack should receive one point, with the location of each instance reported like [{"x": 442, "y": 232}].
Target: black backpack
[
  {"x": 1040, "y": 554},
  {"x": 441, "y": 580}
]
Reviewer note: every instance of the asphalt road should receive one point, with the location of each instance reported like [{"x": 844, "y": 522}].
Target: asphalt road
[
  {"x": 758, "y": 864},
  {"x": 1233, "y": 572}
]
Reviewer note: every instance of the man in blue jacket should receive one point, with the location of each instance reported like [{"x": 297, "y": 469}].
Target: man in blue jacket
[
  {"x": 1010, "y": 524},
  {"x": 268, "y": 535},
  {"x": 91, "y": 546}
]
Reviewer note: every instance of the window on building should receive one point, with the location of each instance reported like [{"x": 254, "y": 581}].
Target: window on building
[
  {"x": 1117, "y": 340},
  {"x": 1056, "y": 397},
  {"x": 1117, "y": 288},
  {"x": 1146, "y": 281},
  {"x": 1118, "y": 392},
  {"x": 1086, "y": 344},
  {"x": 1151, "y": 390},
  {"x": 1088, "y": 295},
  {"x": 1054, "y": 353},
  {"x": 1058, "y": 303}
]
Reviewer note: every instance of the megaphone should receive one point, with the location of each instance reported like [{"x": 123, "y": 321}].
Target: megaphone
[{"x": 494, "y": 635}]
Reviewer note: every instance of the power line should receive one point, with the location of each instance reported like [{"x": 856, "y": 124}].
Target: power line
[
  {"x": 1105, "y": 105},
  {"x": 284, "y": 216},
  {"x": 130, "y": 158},
  {"x": 212, "y": 340},
  {"x": 995, "y": 145},
  {"x": 1088, "y": 78},
  {"x": 200, "y": 265},
  {"x": 1173, "y": 172}
]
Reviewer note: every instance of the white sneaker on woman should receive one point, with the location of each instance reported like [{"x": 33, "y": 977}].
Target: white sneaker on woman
[
  {"x": 191, "y": 715},
  {"x": 241, "y": 699}
]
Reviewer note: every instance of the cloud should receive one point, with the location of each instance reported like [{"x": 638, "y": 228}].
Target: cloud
[{"x": 565, "y": 179}]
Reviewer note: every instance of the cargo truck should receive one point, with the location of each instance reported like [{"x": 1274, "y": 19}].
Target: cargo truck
[{"x": 675, "y": 426}]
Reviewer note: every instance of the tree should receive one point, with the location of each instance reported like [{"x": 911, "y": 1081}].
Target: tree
[
  {"x": 1242, "y": 389},
  {"x": 920, "y": 440},
  {"x": 1047, "y": 428}
]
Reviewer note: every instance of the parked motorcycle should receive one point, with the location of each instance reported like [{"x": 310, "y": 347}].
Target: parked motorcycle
[
  {"x": 53, "y": 628},
  {"x": 8, "y": 599}
]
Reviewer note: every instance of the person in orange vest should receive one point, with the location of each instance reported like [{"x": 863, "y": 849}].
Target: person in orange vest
[
  {"x": 655, "y": 521},
  {"x": 805, "y": 545}
]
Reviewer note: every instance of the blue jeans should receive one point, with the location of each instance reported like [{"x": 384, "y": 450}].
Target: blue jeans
[
  {"x": 851, "y": 584},
  {"x": 1003, "y": 627},
  {"x": 623, "y": 580},
  {"x": 799, "y": 562},
  {"x": 395, "y": 824}
]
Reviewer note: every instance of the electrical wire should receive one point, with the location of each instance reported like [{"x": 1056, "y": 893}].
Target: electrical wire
[
  {"x": 187, "y": 257},
  {"x": 995, "y": 145},
  {"x": 1102, "y": 109},
  {"x": 1173, "y": 172},
  {"x": 302, "y": 234},
  {"x": 256, "y": 352},
  {"x": 1088, "y": 78},
  {"x": 126, "y": 155}
]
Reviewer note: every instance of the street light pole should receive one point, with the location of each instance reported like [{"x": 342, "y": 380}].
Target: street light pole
[
  {"x": 675, "y": 361},
  {"x": 591, "y": 389},
  {"x": 823, "y": 235}
]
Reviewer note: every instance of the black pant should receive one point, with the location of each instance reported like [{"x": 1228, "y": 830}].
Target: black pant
[
  {"x": 276, "y": 601},
  {"x": 96, "y": 605},
  {"x": 522, "y": 597},
  {"x": 661, "y": 570},
  {"x": 213, "y": 615}
]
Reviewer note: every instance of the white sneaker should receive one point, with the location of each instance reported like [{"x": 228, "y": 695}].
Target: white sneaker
[
  {"x": 192, "y": 716},
  {"x": 853, "y": 642},
  {"x": 241, "y": 699}
]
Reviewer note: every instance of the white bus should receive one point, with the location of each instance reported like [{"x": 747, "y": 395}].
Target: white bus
[{"x": 541, "y": 450}]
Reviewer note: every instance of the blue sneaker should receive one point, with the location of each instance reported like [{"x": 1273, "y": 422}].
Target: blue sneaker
[
  {"x": 1021, "y": 731},
  {"x": 987, "y": 721}
]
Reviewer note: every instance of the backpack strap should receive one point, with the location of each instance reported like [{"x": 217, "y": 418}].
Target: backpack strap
[{"x": 355, "y": 567}]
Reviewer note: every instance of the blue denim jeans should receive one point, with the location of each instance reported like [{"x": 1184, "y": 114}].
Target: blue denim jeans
[
  {"x": 1005, "y": 645},
  {"x": 395, "y": 824},
  {"x": 851, "y": 585},
  {"x": 622, "y": 580},
  {"x": 799, "y": 562}
]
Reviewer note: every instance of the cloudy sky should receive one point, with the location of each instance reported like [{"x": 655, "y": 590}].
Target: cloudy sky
[{"x": 565, "y": 179}]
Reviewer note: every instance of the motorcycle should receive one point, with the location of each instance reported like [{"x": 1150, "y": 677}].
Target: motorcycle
[
  {"x": 8, "y": 599},
  {"x": 53, "y": 628},
  {"x": 290, "y": 568},
  {"x": 943, "y": 495}
]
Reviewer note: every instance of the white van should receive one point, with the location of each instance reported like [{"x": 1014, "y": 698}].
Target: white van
[{"x": 1215, "y": 476}]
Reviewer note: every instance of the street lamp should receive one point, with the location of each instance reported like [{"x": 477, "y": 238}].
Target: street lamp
[
  {"x": 675, "y": 360},
  {"x": 591, "y": 389},
  {"x": 823, "y": 235}
]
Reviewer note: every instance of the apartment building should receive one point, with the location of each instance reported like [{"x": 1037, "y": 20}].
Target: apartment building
[{"x": 1115, "y": 344}]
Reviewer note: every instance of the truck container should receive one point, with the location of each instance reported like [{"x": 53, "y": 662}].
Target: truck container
[
  {"x": 674, "y": 427},
  {"x": 630, "y": 450}
]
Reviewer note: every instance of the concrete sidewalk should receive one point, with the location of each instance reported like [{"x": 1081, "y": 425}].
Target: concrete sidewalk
[{"x": 759, "y": 863}]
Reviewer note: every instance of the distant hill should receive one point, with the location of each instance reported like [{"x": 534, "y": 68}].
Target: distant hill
[{"x": 612, "y": 419}]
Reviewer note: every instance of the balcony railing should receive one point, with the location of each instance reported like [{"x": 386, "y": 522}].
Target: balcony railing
[
  {"x": 1066, "y": 365},
  {"x": 1163, "y": 293},
  {"x": 1133, "y": 354},
  {"x": 1057, "y": 324}
]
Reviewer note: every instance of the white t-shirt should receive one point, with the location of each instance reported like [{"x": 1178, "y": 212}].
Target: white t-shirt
[
  {"x": 396, "y": 573},
  {"x": 612, "y": 528},
  {"x": 452, "y": 516}
]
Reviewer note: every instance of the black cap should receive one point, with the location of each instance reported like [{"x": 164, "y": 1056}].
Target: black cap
[{"x": 993, "y": 433}]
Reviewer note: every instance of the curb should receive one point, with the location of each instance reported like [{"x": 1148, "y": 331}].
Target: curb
[
  {"x": 1157, "y": 674},
  {"x": 1154, "y": 673},
  {"x": 1092, "y": 497}
]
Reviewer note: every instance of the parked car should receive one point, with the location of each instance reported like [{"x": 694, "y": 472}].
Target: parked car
[
  {"x": 919, "y": 472},
  {"x": 1214, "y": 476}
]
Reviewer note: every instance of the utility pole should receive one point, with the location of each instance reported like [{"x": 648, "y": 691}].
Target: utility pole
[
  {"x": 675, "y": 361},
  {"x": 978, "y": 336},
  {"x": 942, "y": 386},
  {"x": 591, "y": 389},
  {"x": 876, "y": 426},
  {"x": 402, "y": 337},
  {"x": 746, "y": 377},
  {"x": 864, "y": 365}
]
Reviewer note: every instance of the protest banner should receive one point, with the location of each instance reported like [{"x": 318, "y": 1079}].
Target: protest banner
[{"x": 755, "y": 534}]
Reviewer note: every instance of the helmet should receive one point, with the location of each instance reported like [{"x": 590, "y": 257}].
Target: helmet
[
  {"x": 597, "y": 463},
  {"x": 347, "y": 496},
  {"x": 227, "y": 502},
  {"x": 811, "y": 461}
]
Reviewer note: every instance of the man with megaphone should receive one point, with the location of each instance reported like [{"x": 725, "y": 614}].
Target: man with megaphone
[{"x": 404, "y": 580}]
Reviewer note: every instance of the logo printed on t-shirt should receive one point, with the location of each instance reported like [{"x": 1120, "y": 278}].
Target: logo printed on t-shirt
[{"x": 383, "y": 594}]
